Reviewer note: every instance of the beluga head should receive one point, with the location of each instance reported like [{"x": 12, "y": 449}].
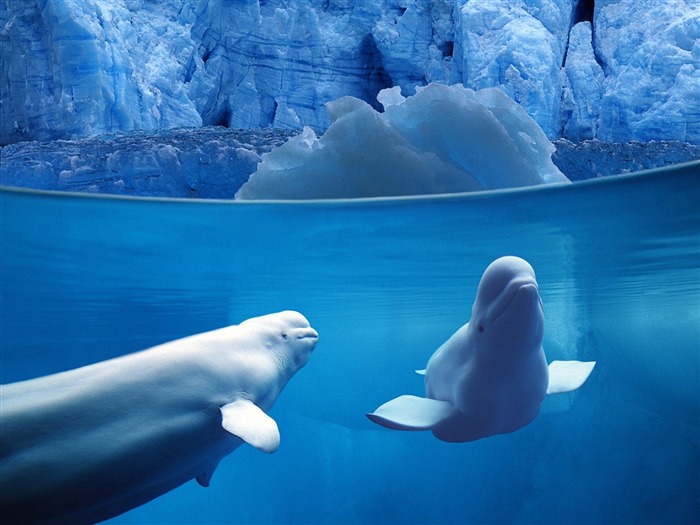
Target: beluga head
[
  {"x": 508, "y": 313},
  {"x": 287, "y": 336}
]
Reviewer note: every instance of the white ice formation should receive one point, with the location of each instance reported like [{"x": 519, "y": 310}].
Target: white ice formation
[{"x": 443, "y": 139}]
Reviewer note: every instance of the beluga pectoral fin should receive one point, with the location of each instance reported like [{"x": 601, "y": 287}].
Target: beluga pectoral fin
[
  {"x": 565, "y": 376},
  {"x": 411, "y": 413},
  {"x": 204, "y": 479},
  {"x": 244, "y": 419}
]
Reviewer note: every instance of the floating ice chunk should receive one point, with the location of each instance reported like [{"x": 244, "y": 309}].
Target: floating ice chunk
[
  {"x": 444, "y": 139},
  {"x": 483, "y": 133},
  {"x": 360, "y": 155}
]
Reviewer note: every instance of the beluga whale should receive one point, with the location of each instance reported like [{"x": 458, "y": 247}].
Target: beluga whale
[
  {"x": 85, "y": 445},
  {"x": 491, "y": 376}
]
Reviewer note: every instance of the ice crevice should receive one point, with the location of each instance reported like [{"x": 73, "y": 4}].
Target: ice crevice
[{"x": 582, "y": 11}]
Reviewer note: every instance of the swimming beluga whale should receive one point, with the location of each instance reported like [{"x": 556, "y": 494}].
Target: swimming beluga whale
[
  {"x": 88, "y": 444},
  {"x": 491, "y": 376}
]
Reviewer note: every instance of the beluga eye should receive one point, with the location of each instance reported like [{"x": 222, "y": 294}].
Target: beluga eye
[
  {"x": 480, "y": 328},
  {"x": 285, "y": 336}
]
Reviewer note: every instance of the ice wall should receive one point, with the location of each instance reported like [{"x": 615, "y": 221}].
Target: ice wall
[
  {"x": 651, "y": 62},
  {"x": 74, "y": 68},
  {"x": 71, "y": 68},
  {"x": 518, "y": 46}
]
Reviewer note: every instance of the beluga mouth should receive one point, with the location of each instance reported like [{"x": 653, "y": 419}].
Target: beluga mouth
[{"x": 308, "y": 333}]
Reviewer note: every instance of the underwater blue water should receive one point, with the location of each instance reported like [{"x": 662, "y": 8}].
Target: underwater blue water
[{"x": 385, "y": 282}]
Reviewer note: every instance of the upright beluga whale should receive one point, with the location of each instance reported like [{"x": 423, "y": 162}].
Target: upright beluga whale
[
  {"x": 491, "y": 376},
  {"x": 88, "y": 444}
]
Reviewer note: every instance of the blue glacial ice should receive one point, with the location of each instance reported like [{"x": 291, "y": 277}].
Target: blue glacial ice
[
  {"x": 77, "y": 68},
  {"x": 443, "y": 139},
  {"x": 590, "y": 159},
  {"x": 652, "y": 73},
  {"x": 582, "y": 81},
  {"x": 518, "y": 46}
]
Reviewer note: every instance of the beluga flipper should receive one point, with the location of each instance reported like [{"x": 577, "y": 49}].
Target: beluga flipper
[{"x": 491, "y": 376}]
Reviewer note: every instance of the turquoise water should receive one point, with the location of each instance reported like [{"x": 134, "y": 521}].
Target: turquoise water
[{"x": 385, "y": 282}]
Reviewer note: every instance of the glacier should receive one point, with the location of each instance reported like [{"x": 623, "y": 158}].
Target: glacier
[{"x": 77, "y": 68}]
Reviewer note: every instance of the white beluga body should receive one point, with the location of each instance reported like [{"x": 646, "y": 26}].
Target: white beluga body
[
  {"x": 491, "y": 376},
  {"x": 84, "y": 445}
]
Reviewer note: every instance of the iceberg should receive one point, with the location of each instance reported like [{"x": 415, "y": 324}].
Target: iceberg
[{"x": 443, "y": 139}]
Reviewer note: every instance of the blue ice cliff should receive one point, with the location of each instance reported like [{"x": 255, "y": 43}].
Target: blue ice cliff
[{"x": 615, "y": 71}]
